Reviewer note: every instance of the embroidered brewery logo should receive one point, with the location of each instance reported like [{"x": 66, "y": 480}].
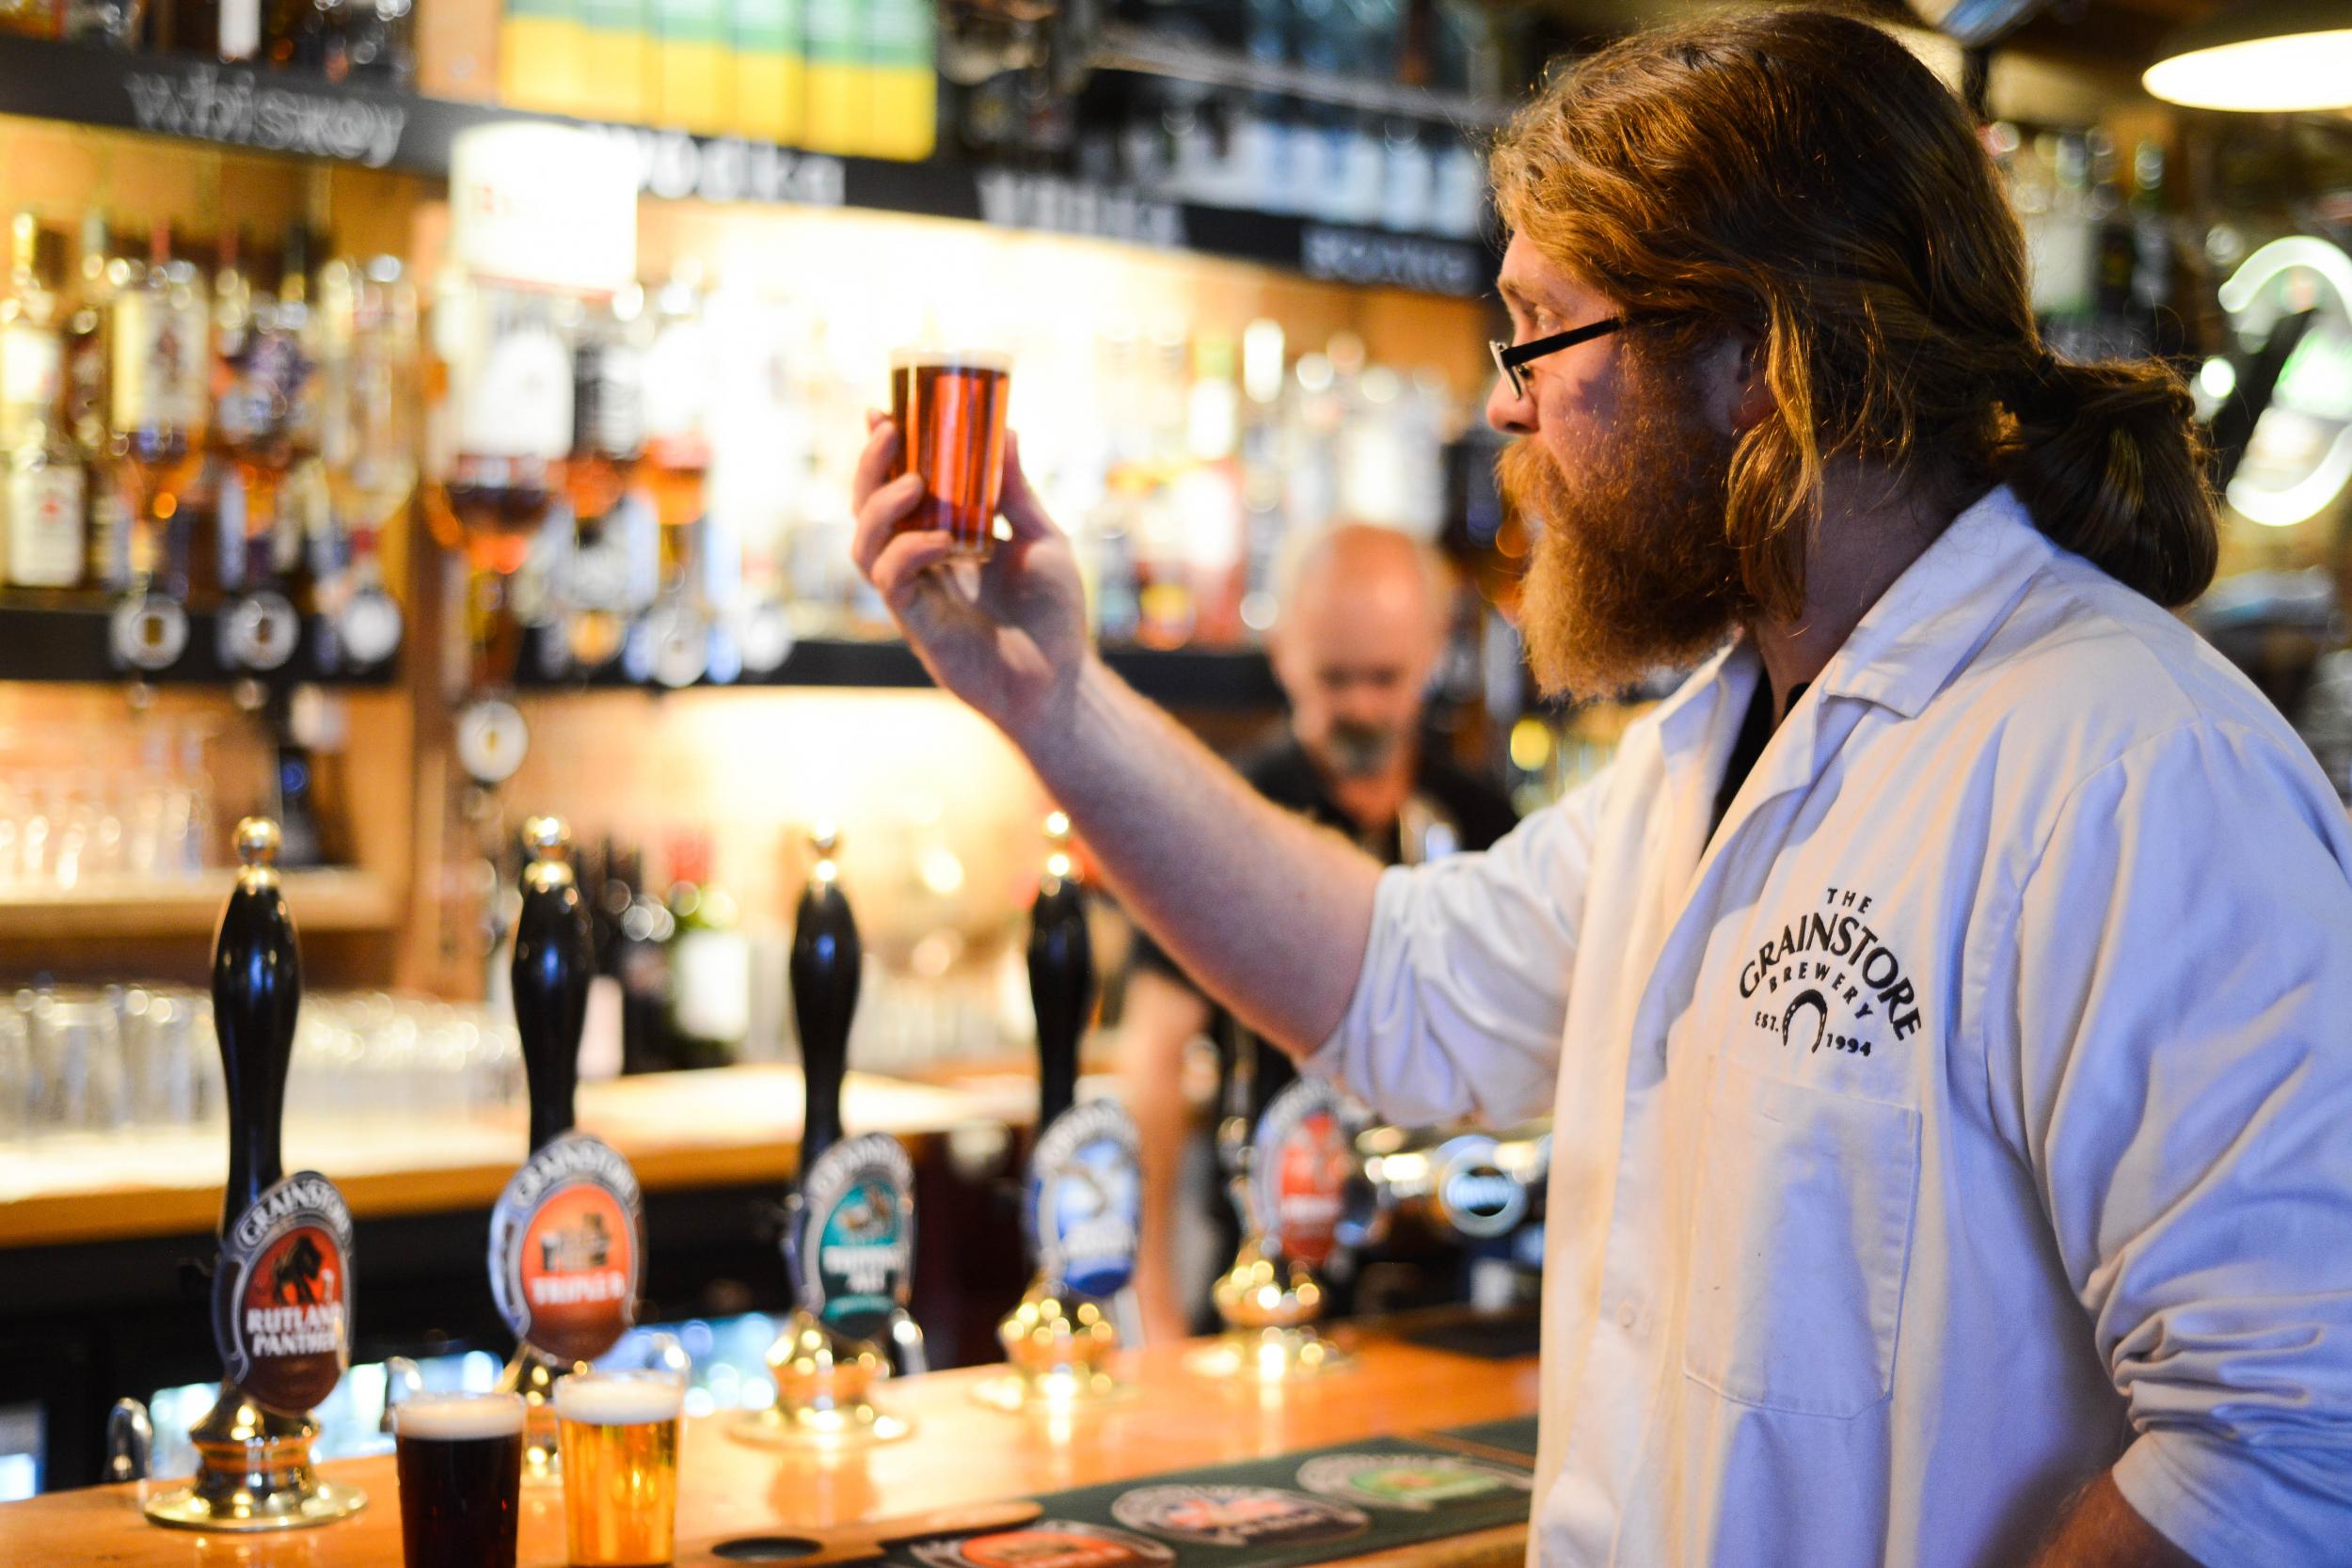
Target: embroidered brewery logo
[{"x": 1830, "y": 982}]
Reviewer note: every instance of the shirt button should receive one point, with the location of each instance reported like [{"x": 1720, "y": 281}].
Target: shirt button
[{"x": 1628, "y": 1314}]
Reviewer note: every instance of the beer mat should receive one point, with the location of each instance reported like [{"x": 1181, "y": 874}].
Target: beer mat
[
  {"x": 1347, "y": 1500},
  {"x": 1514, "y": 1435},
  {"x": 865, "y": 1541},
  {"x": 1505, "y": 1338}
]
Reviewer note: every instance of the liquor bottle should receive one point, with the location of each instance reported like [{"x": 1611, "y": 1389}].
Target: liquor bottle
[
  {"x": 693, "y": 66},
  {"x": 229, "y": 30},
  {"x": 43, "y": 508},
  {"x": 841, "y": 111},
  {"x": 771, "y": 69},
  {"x": 87, "y": 362},
  {"x": 616, "y": 55},
  {"x": 305, "y": 514},
  {"x": 266, "y": 430},
  {"x": 232, "y": 406},
  {"x": 372, "y": 41},
  {"x": 368, "y": 425},
  {"x": 641, "y": 962},
  {"x": 608, "y": 442},
  {"x": 680, "y": 367},
  {"x": 510, "y": 395},
  {"x": 156, "y": 391},
  {"x": 293, "y": 33},
  {"x": 541, "y": 57},
  {"x": 113, "y": 22},
  {"x": 901, "y": 62},
  {"x": 710, "y": 965},
  {"x": 32, "y": 347},
  {"x": 86, "y": 340}
]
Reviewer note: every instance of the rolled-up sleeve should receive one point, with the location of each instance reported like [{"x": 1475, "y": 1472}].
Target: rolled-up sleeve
[
  {"x": 2175, "y": 1066},
  {"x": 1458, "y": 1008}
]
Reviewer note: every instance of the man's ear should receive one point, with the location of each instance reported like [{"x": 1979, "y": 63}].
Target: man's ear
[
  {"x": 1738, "y": 396},
  {"x": 1755, "y": 402}
]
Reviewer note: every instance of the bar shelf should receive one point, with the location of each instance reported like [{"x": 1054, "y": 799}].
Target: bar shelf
[{"x": 205, "y": 103}]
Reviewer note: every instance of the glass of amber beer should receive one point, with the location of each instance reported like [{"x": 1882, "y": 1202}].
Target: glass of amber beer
[
  {"x": 618, "y": 1432},
  {"x": 460, "y": 1465},
  {"x": 949, "y": 408}
]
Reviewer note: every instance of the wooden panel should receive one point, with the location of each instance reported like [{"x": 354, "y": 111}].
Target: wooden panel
[{"x": 962, "y": 1455}]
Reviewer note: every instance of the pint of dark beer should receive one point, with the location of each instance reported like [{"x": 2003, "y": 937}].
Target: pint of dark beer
[
  {"x": 949, "y": 409},
  {"x": 460, "y": 1465}
]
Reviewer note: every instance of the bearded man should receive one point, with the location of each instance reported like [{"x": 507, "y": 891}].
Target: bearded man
[{"x": 1942, "y": 998}]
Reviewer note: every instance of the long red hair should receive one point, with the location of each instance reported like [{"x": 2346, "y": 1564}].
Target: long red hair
[{"x": 1799, "y": 176}]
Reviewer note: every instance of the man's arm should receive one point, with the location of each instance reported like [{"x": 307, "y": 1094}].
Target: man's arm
[
  {"x": 1161, "y": 1019},
  {"x": 2166, "y": 1055},
  {"x": 1266, "y": 911},
  {"x": 2100, "y": 1531}
]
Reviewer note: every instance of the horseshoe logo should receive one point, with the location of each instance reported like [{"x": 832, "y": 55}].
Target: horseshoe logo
[{"x": 1819, "y": 1004}]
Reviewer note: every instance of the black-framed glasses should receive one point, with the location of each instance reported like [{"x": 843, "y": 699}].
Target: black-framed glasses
[{"x": 1509, "y": 358}]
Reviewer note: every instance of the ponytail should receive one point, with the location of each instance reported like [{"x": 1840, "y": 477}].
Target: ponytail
[{"x": 2108, "y": 459}]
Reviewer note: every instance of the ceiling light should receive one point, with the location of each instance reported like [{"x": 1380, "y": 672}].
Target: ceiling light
[{"x": 2262, "y": 55}]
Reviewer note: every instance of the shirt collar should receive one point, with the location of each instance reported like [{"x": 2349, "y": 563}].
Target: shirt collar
[
  {"x": 1942, "y": 609},
  {"x": 1907, "y": 648},
  {"x": 1720, "y": 685}
]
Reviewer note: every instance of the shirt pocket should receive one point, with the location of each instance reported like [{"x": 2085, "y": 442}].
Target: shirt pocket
[{"x": 1799, "y": 1239}]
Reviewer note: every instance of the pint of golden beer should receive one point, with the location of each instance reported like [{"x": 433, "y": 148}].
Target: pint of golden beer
[{"x": 618, "y": 1432}]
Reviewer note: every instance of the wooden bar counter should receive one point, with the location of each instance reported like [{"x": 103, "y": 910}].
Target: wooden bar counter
[
  {"x": 962, "y": 1454},
  {"x": 678, "y": 1130}
]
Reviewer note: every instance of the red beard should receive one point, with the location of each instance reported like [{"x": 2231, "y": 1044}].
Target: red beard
[{"x": 1633, "y": 570}]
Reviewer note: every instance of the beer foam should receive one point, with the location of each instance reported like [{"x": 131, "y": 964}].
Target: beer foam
[
  {"x": 608, "y": 1401},
  {"x": 951, "y": 359},
  {"x": 457, "y": 1417}
]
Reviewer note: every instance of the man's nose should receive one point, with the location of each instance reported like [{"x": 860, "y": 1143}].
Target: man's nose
[{"x": 1507, "y": 411}]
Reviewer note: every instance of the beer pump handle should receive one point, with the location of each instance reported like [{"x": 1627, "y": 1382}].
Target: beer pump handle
[
  {"x": 1062, "y": 974},
  {"x": 554, "y": 961},
  {"x": 256, "y": 990},
  {"x": 826, "y": 960}
]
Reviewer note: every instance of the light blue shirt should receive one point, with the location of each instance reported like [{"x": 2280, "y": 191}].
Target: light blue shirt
[{"x": 1973, "y": 1114}]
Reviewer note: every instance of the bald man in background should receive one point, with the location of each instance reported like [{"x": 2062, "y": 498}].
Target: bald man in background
[{"x": 1356, "y": 639}]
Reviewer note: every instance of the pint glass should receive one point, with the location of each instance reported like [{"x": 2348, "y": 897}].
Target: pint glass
[
  {"x": 949, "y": 409},
  {"x": 460, "y": 1465},
  {"x": 618, "y": 1432}
]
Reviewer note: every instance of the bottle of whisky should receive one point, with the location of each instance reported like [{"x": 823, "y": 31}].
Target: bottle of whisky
[
  {"x": 367, "y": 424},
  {"x": 508, "y": 418},
  {"x": 710, "y": 962},
  {"x": 87, "y": 411},
  {"x": 264, "y": 432},
  {"x": 673, "y": 645},
  {"x": 32, "y": 345},
  {"x": 680, "y": 370},
  {"x": 43, "y": 508},
  {"x": 232, "y": 412},
  {"x": 608, "y": 444},
  {"x": 156, "y": 389}
]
